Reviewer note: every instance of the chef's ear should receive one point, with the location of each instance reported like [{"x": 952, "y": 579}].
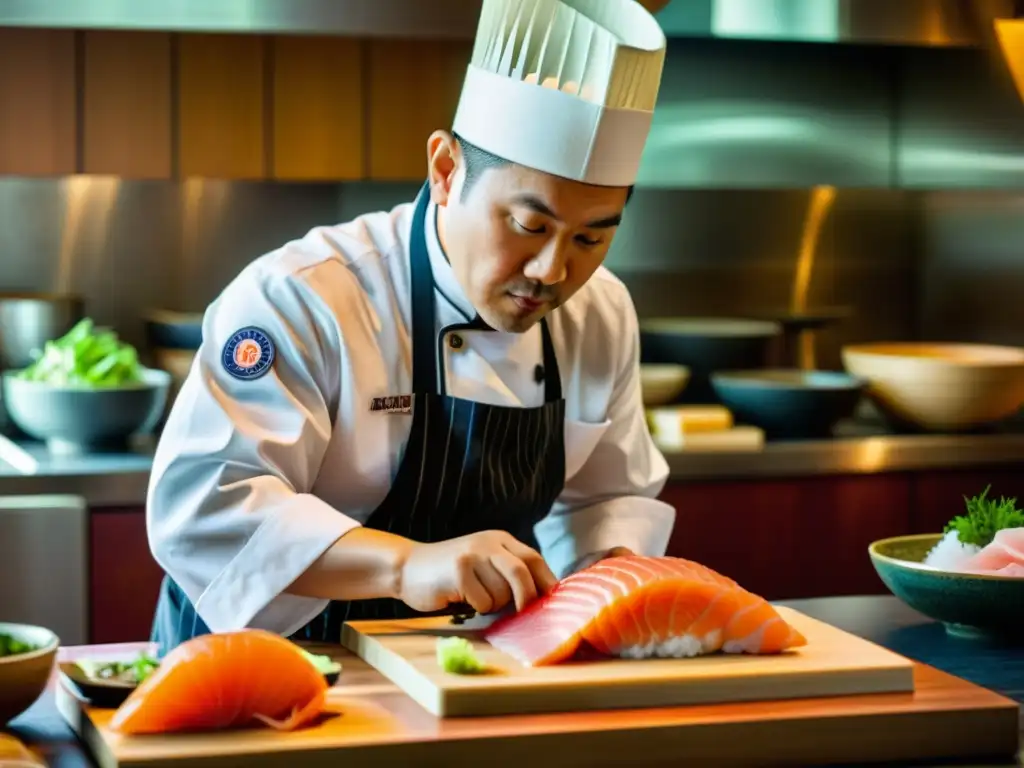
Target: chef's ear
[{"x": 443, "y": 159}]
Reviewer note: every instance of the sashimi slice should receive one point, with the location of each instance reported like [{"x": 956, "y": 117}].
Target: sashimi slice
[
  {"x": 226, "y": 680},
  {"x": 640, "y": 607},
  {"x": 1004, "y": 556}
]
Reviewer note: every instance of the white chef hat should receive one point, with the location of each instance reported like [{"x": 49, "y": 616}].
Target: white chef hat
[{"x": 567, "y": 87}]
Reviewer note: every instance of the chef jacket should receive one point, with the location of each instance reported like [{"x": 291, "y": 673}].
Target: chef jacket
[{"x": 253, "y": 480}]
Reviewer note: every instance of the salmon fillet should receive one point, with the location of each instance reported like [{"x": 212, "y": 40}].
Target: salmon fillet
[
  {"x": 640, "y": 607},
  {"x": 226, "y": 680}
]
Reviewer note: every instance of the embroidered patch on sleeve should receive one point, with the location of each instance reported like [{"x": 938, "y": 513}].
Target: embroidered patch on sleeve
[{"x": 248, "y": 354}]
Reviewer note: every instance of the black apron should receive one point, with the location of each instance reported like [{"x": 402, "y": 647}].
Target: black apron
[{"x": 467, "y": 467}]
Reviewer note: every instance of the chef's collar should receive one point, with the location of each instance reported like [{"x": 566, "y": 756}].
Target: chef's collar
[{"x": 444, "y": 276}]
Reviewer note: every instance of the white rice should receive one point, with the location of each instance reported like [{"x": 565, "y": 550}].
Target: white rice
[{"x": 950, "y": 554}]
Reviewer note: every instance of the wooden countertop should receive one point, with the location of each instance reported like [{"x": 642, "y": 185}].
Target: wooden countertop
[{"x": 881, "y": 619}]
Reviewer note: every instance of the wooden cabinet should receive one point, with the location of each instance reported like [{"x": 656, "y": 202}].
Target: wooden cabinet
[
  {"x": 221, "y": 106},
  {"x": 414, "y": 90},
  {"x": 124, "y": 579},
  {"x": 38, "y": 114},
  {"x": 126, "y": 104},
  {"x": 148, "y": 105},
  {"x": 319, "y": 114},
  {"x": 786, "y": 539}
]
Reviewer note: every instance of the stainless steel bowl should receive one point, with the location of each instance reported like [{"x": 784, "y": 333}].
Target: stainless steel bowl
[{"x": 29, "y": 320}]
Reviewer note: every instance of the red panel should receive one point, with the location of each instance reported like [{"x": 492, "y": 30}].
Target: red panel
[
  {"x": 788, "y": 539},
  {"x": 940, "y": 495},
  {"x": 124, "y": 577}
]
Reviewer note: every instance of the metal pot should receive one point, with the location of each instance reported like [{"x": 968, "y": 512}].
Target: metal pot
[{"x": 29, "y": 320}]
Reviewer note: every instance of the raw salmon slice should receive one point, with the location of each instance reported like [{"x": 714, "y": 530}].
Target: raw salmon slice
[
  {"x": 641, "y": 607},
  {"x": 226, "y": 680}
]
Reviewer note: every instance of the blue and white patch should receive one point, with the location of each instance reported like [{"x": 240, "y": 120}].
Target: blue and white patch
[{"x": 248, "y": 354}]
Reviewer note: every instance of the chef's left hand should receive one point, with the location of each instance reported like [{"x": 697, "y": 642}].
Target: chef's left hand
[{"x": 589, "y": 560}]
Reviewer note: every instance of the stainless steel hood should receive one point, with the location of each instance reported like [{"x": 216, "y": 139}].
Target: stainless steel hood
[
  {"x": 904, "y": 22},
  {"x": 441, "y": 19},
  {"x": 961, "y": 23}
]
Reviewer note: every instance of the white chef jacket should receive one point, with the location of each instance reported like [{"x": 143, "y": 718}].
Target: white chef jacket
[{"x": 253, "y": 480}]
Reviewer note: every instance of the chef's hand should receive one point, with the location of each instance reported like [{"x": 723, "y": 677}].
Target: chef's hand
[{"x": 487, "y": 570}]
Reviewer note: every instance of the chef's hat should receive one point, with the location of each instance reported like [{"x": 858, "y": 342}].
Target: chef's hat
[{"x": 567, "y": 87}]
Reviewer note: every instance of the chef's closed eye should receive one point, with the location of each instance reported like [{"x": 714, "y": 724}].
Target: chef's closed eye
[{"x": 530, "y": 225}]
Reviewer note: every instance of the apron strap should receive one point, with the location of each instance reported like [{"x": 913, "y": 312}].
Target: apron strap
[{"x": 424, "y": 367}]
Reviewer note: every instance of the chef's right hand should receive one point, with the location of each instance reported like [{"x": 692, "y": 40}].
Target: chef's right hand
[{"x": 487, "y": 570}]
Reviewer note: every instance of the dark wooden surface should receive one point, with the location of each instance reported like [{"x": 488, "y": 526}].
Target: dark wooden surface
[{"x": 881, "y": 619}]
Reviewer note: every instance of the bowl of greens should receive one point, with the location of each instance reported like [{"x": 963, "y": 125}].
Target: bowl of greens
[
  {"x": 86, "y": 391},
  {"x": 970, "y": 577},
  {"x": 27, "y": 655}
]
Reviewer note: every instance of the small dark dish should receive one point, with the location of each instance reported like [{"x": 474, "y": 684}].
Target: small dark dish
[
  {"x": 789, "y": 404},
  {"x": 174, "y": 330},
  {"x": 107, "y": 694},
  {"x": 111, "y": 694}
]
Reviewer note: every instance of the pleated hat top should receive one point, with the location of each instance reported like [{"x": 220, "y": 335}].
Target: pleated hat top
[{"x": 567, "y": 87}]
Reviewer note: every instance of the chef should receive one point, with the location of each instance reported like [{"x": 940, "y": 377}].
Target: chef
[{"x": 437, "y": 404}]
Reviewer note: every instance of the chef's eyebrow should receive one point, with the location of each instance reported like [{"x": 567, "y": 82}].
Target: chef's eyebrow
[{"x": 536, "y": 204}]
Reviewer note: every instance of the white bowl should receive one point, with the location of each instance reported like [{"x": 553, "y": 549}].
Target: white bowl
[{"x": 662, "y": 383}]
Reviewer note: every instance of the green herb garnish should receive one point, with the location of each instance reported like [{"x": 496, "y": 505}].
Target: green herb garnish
[
  {"x": 984, "y": 518},
  {"x": 120, "y": 671},
  {"x": 325, "y": 665},
  {"x": 12, "y": 646},
  {"x": 456, "y": 656},
  {"x": 86, "y": 357}
]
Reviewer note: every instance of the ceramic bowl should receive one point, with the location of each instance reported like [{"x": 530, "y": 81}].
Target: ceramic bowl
[
  {"x": 969, "y": 605},
  {"x": 940, "y": 387},
  {"x": 24, "y": 676},
  {"x": 73, "y": 420},
  {"x": 789, "y": 404},
  {"x": 661, "y": 384}
]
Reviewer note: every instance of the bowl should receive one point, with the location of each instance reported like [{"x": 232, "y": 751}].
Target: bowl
[
  {"x": 940, "y": 387},
  {"x": 73, "y": 420},
  {"x": 969, "y": 605},
  {"x": 166, "y": 329},
  {"x": 29, "y": 320},
  {"x": 24, "y": 676},
  {"x": 789, "y": 404},
  {"x": 661, "y": 384},
  {"x": 706, "y": 345}
]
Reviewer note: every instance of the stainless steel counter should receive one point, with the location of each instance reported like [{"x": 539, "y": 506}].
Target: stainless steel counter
[{"x": 859, "y": 448}]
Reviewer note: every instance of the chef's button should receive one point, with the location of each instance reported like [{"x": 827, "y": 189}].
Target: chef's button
[{"x": 455, "y": 341}]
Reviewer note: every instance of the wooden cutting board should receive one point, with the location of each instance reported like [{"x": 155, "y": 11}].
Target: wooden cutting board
[
  {"x": 833, "y": 663},
  {"x": 371, "y": 723}
]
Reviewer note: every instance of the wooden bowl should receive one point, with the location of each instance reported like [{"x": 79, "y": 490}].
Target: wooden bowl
[
  {"x": 23, "y": 676},
  {"x": 940, "y": 387},
  {"x": 661, "y": 384},
  {"x": 981, "y": 606}
]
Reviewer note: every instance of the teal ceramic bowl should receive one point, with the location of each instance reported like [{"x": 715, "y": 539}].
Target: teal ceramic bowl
[{"x": 969, "y": 605}]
